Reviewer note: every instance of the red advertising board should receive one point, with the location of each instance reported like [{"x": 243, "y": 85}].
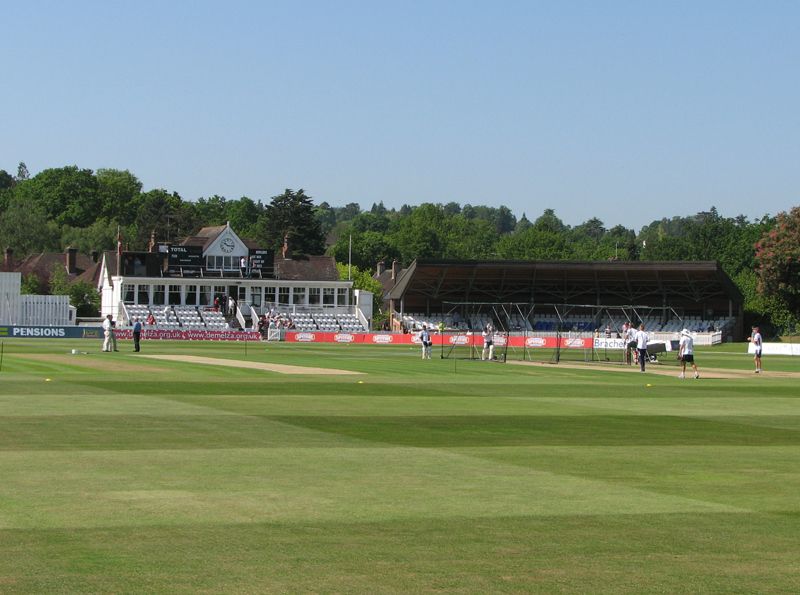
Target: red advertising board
[{"x": 474, "y": 340}]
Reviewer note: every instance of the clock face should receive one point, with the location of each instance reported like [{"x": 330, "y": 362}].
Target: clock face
[{"x": 227, "y": 245}]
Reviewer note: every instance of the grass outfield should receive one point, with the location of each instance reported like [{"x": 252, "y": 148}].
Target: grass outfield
[{"x": 123, "y": 473}]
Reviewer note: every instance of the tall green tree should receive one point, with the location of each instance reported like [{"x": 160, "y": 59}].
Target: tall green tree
[
  {"x": 165, "y": 214},
  {"x": 535, "y": 244},
  {"x": 212, "y": 210},
  {"x": 421, "y": 234},
  {"x": 291, "y": 215},
  {"x": 244, "y": 215},
  {"x": 24, "y": 227},
  {"x": 469, "y": 239},
  {"x": 368, "y": 249},
  {"x": 117, "y": 191},
  {"x": 68, "y": 195},
  {"x": 100, "y": 235},
  {"x": 326, "y": 217},
  {"x": 7, "y": 183},
  {"x": 549, "y": 221}
]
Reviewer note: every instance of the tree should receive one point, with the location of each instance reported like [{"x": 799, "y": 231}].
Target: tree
[
  {"x": 85, "y": 298},
  {"x": 244, "y": 215},
  {"x": 348, "y": 212},
  {"x": 291, "y": 215},
  {"x": 363, "y": 279},
  {"x": 369, "y": 221},
  {"x": 778, "y": 260},
  {"x": 522, "y": 224},
  {"x": 535, "y": 244},
  {"x": 25, "y": 228},
  {"x": 368, "y": 249},
  {"x": 22, "y": 172},
  {"x": 117, "y": 191},
  {"x": 468, "y": 239},
  {"x": 7, "y": 183},
  {"x": 421, "y": 234},
  {"x": 82, "y": 295},
  {"x": 31, "y": 285},
  {"x": 162, "y": 212},
  {"x": 100, "y": 235},
  {"x": 68, "y": 195},
  {"x": 549, "y": 221},
  {"x": 211, "y": 210},
  {"x": 326, "y": 217},
  {"x": 6, "y": 180},
  {"x": 59, "y": 281}
]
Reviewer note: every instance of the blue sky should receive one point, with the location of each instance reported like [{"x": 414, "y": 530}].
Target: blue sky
[{"x": 626, "y": 111}]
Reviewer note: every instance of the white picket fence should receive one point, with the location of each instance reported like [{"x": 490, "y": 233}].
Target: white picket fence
[{"x": 32, "y": 310}]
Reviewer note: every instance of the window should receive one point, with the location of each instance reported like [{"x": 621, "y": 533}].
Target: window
[
  {"x": 127, "y": 294},
  {"x": 255, "y": 296},
  {"x": 299, "y": 296},
  {"x": 206, "y": 295},
  {"x": 224, "y": 263},
  {"x": 191, "y": 295},
  {"x": 327, "y": 296},
  {"x": 313, "y": 296},
  {"x": 283, "y": 296},
  {"x": 174, "y": 295},
  {"x": 158, "y": 295},
  {"x": 341, "y": 298},
  {"x": 269, "y": 295},
  {"x": 143, "y": 296},
  {"x": 220, "y": 290}
]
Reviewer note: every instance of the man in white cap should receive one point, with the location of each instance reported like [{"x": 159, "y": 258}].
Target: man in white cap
[{"x": 686, "y": 354}]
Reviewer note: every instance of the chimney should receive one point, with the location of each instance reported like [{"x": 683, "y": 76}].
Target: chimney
[
  {"x": 9, "y": 260},
  {"x": 95, "y": 255},
  {"x": 286, "y": 252},
  {"x": 394, "y": 270},
  {"x": 72, "y": 257},
  {"x": 381, "y": 268}
]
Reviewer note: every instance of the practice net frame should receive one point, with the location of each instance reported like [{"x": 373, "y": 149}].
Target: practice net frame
[{"x": 551, "y": 333}]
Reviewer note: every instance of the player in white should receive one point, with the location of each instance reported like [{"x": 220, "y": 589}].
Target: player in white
[
  {"x": 425, "y": 341},
  {"x": 686, "y": 354},
  {"x": 488, "y": 343},
  {"x": 641, "y": 346},
  {"x": 109, "y": 336},
  {"x": 755, "y": 339}
]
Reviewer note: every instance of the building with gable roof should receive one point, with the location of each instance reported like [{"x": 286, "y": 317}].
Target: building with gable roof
[{"x": 216, "y": 264}]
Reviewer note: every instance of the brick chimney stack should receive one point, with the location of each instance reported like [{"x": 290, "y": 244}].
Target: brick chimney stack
[
  {"x": 394, "y": 270},
  {"x": 8, "y": 263},
  {"x": 381, "y": 268}
]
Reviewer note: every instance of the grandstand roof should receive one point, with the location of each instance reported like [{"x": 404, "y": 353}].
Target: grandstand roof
[{"x": 425, "y": 284}]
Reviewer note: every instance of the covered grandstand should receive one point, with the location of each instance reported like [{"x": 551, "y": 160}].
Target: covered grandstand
[{"x": 668, "y": 295}]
